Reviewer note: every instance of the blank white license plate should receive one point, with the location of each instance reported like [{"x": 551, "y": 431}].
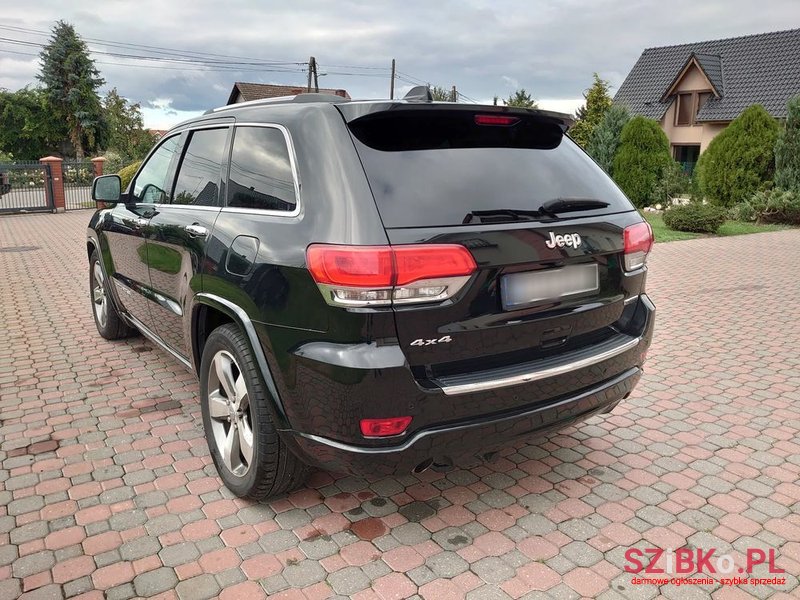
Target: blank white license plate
[{"x": 521, "y": 289}]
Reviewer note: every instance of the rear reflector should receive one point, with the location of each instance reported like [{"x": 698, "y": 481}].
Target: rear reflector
[
  {"x": 384, "y": 427},
  {"x": 638, "y": 241},
  {"x": 382, "y": 275},
  {"x": 501, "y": 120}
]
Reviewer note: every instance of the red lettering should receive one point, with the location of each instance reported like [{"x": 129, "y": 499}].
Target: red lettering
[
  {"x": 632, "y": 555},
  {"x": 772, "y": 567},
  {"x": 684, "y": 560},
  {"x": 752, "y": 561},
  {"x": 651, "y": 568},
  {"x": 705, "y": 560}
]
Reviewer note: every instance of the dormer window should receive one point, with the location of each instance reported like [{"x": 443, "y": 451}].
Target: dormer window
[
  {"x": 684, "y": 113},
  {"x": 688, "y": 105}
]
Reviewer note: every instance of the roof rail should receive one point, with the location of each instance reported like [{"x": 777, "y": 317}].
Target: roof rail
[{"x": 299, "y": 98}]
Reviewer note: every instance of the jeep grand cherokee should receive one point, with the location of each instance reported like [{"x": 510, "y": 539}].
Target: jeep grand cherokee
[{"x": 375, "y": 286}]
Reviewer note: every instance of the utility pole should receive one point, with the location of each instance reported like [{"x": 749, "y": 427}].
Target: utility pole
[
  {"x": 454, "y": 94},
  {"x": 316, "y": 80},
  {"x": 311, "y": 63},
  {"x": 391, "y": 85}
]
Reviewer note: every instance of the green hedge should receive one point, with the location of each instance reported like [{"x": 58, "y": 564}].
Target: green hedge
[
  {"x": 695, "y": 217},
  {"x": 641, "y": 159},
  {"x": 127, "y": 173},
  {"x": 740, "y": 160}
]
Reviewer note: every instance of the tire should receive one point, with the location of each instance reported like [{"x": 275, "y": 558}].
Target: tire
[
  {"x": 109, "y": 324},
  {"x": 228, "y": 370}
]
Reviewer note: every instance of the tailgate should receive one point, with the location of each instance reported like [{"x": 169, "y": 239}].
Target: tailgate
[{"x": 546, "y": 282}]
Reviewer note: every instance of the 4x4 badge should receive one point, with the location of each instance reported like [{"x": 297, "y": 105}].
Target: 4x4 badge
[
  {"x": 559, "y": 241},
  {"x": 432, "y": 342}
]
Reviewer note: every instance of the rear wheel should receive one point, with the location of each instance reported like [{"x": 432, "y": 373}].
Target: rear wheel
[
  {"x": 249, "y": 455},
  {"x": 109, "y": 324}
]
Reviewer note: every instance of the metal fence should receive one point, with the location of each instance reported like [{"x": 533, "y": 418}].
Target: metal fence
[
  {"x": 78, "y": 176},
  {"x": 25, "y": 187}
]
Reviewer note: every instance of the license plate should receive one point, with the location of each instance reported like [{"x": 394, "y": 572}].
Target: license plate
[{"x": 521, "y": 289}]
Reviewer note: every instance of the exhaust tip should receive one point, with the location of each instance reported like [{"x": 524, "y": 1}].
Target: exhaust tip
[{"x": 423, "y": 466}]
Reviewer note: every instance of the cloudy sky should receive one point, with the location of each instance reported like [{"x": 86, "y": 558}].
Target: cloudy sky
[{"x": 484, "y": 47}]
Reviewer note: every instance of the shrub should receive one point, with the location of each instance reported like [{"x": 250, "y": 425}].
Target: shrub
[
  {"x": 642, "y": 156},
  {"x": 114, "y": 161},
  {"x": 787, "y": 150},
  {"x": 127, "y": 173},
  {"x": 673, "y": 182},
  {"x": 740, "y": 160},
  {"x": 605, "y": 138},
  {"x": 695, "y": 217},
  {"x": 773, "y": 206}
]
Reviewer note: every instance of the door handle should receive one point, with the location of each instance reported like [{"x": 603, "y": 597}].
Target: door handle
[{"x": 196, "y": 230}]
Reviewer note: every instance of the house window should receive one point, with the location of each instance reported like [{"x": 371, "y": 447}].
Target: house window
[
  {"x": 687, "y": 157},
  {"x": 684, "y": 113},
  {"x": 702, "y": 98}
]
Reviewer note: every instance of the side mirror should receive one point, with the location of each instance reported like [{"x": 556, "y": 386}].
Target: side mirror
[{"x": 107, "y": 188}]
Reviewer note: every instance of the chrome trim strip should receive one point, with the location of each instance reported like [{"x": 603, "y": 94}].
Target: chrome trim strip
[
  {"x": 630, "y": 300},
  {"x": 154, "y": 338},
  {"x": 481, "y": 386},
  {"x": 408, "y": 442}
]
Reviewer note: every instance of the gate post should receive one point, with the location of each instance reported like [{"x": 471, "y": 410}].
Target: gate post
[
  {"x": 98, "y": 164},
  {"x": 55, "y": 192}
]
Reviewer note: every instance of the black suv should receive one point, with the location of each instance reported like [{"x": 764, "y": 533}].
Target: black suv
[{"x": 375, "y": 286}]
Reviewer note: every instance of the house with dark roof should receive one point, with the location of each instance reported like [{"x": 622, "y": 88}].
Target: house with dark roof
[
  {"x": 244, "y": 92},
  {"x": 696, "y": 90}
]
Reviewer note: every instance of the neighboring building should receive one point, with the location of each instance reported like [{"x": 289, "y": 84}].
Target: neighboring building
[
  {"x": 158, "y": 133},
  {"x": 244, "y": 92},
  {"x": 696, "y": 90}
]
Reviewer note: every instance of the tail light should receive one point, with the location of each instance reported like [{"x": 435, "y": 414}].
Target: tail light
[
  {"x": 384, "y": 427},
  {"x": 638, "y": 242},
  {"x": 385, "y": 275}
]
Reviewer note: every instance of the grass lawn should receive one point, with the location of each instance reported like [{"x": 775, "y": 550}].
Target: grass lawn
[{"x": 663, "y": 233}]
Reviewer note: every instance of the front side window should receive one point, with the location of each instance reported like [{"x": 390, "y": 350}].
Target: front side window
[
  {"x": 198, "y": 177},
  {"x": 261, "y": 175},
  {"x": 151, "y": 185}
]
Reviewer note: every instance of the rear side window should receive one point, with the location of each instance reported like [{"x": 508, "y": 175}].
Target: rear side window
[
  {"x": 261, "y": 175},
  {"x": 434, "y": 168},
  {"x": 199, "y": 173}
]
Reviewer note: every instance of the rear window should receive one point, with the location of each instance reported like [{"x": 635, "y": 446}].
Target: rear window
[{"x": 434, "y": 168}]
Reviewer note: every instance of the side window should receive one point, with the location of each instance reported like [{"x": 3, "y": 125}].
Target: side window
[
  {"x": 261, "y": 172},
  {"x": 198, "y": 177},
  {"x": 151, "y": 185}
]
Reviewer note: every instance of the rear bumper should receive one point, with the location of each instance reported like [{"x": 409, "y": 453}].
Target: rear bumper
[
  {"x": 465, "y": 443},
  {"x": 455, "y": 428}
]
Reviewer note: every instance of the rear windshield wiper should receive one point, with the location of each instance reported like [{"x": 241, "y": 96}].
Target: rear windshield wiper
[
  {"x": 501, "y": 215},
  {"x": 562, "y": 205}
]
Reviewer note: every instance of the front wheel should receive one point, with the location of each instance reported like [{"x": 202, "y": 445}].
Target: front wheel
[{"x": 250, "y": 457}]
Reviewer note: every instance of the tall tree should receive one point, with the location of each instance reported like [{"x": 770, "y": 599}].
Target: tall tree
[
  {"x": 440, "y": 94},
  {"x": 521, "y": 99},
  {"x": 71, "y": 82},
  {"x": 604, "y": 142},
  {"x": 787, "y": 150},
  {"x": 126, "y": 132},
  {"x": 28, "y": 128},
  {"x": 589, "y": 115}
]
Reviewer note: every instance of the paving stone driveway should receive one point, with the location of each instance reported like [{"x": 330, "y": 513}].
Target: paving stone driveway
[{"x": 107, "y": 489}]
